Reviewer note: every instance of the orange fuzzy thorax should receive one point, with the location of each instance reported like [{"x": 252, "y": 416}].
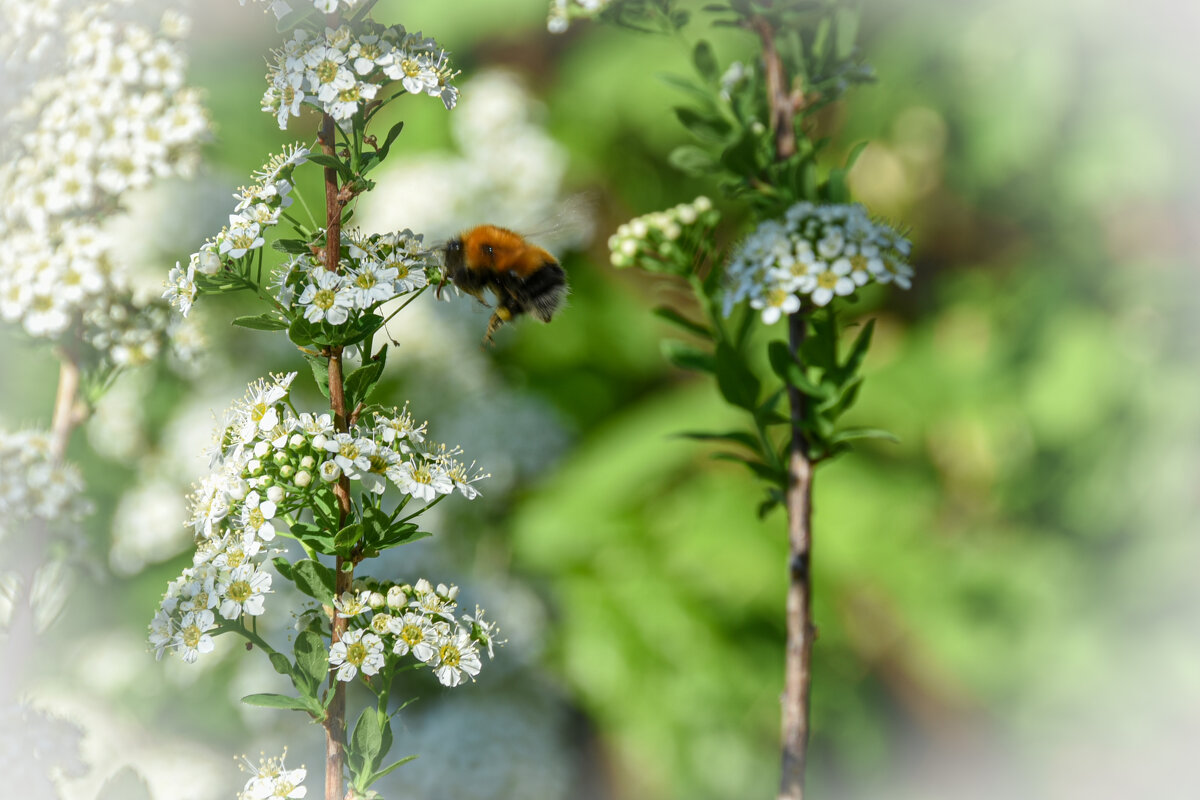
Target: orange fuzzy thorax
[{"x": 509, "y": 252}]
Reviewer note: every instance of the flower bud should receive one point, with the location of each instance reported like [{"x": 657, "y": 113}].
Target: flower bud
[
  {"x": 275, "y": 494},
  {"x": 303, "y": 478},
  {"x": 319, "y": 441},
  {"x": 376, "y": 600},
  {"x": 297, "y": 441},
  {"x": 396, "y": 598}
]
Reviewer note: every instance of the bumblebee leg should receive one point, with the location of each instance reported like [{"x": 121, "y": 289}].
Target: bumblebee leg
[{"x": 500, "y": 316}]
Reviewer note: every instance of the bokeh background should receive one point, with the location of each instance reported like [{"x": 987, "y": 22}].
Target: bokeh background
[{"x": 1006, "y": 599}]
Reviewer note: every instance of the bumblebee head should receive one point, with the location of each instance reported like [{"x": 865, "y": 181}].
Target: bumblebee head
[{"x": 453, "y": 250}]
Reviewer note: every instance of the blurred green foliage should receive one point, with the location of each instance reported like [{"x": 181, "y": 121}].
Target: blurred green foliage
[{"x": 1006, "y": 567}]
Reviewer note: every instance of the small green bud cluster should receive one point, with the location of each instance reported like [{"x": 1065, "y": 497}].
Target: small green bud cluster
[{"x": 664, "y": 241}]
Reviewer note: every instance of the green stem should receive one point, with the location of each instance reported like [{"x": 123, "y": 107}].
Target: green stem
[{"x": 423, "y": 509}]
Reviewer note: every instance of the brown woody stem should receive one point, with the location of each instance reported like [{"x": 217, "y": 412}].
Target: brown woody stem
[
  {"x": 335, "y": 718},
  {"x": 800, "y": 630},
  {"x": 784, "y": 104}
]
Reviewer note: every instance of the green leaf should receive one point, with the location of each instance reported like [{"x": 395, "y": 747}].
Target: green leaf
[
  {"x": 791, "y": 372},
  {"x": 301, "y": 332},
  {"x": 343, "y": 169},
  {"x": 320, "y": 370},
  {"x": 858, "y": 351},
  {"x": 346, "y": 538},
  {"x": 737, "y": 383},
  {"x": 760, "y": 469},
  {"x": 389, "y": 139},
  {"x": 312, "y": 662},
  {"x": 283, "y": 567},
  {"x": 263, "y": 322},
  {"x": 314, "y": 579},
  {"x": 402, "y": 534},
  {"x": 674, "y": 317},
  {"x": 361, "y": 382},
  {"x": 685, "y": 356},
  {"x": 691, "y": 160},
  {"x": 281, "y": 664},
  {"x": 851, "y": 434},
  {"x": 268, "y": 700},
  {"x": 855, "y": 152},
  {"x": 698, "y": 92},
  {"x": 314, "y": 536},
  {"x": 389, "y": 769},
  {"x": 706, "y": 62},
  {"x": 704, "y": 126},
  {"x": 366, "y": 742},
  {"x": 747, "y": 440},
  {"x": 294, "y": 246},
  {"x": 741, "y": 157}
]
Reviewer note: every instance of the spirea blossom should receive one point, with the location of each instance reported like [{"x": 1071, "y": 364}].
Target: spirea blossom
[
  {"x": 420, "y": 621},
  {"x": 259, "y": 207},
  {"x": 260, "y": 451},
  {"x": 272, "y": 780},
  {"x": 340, "y": 70},
  {"x": 375, "y": 269},
  {"x": 816, "y": 252}
]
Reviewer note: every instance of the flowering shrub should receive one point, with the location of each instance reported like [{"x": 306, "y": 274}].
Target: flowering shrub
[{"x": 342, "y": 485}]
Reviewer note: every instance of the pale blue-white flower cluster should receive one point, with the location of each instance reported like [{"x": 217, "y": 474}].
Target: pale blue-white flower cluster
[
  {"x": 816, "y": 252},
  {"x": 340, "y": 70}
]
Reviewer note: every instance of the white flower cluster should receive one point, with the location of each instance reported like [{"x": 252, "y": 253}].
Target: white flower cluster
[
  {"x": 403, "y": 620},
  {"x": 34, "y": 487},
  {"x": 272, "y": 780},
  {"x": 817, "y": 251},
  {"x": 115, "y": 117},
  {"x": 268, "y": 464},
  {"x": 282, "y": 8},
  {"x": 112, "y": 117},
  {"x": 563, "y": 11},
  {"x": 375, "y": 269},
  {"x": 340, "y": 70},
  {"x": 259, "y": 207},
  {"x": 657, "y": 241}
]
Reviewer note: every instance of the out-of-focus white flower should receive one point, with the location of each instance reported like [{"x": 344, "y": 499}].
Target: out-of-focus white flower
[{"x": 563, "y": 11}]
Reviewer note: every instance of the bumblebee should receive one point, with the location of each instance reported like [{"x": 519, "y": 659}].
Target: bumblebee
[{"x": 524, "y": 277}]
